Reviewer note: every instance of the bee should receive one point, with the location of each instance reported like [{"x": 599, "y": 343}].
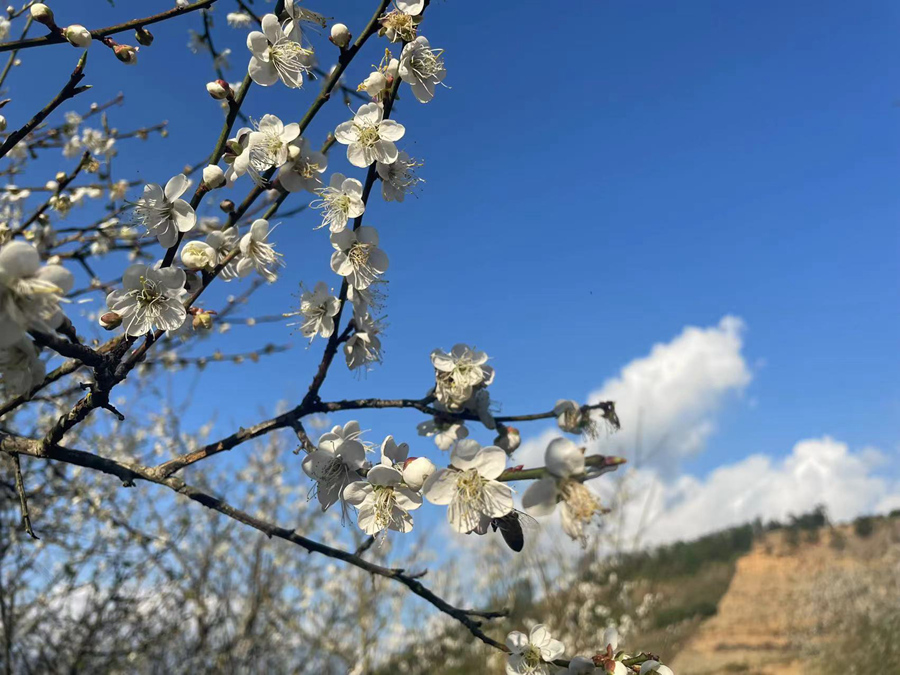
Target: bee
[{"x": 512, "y": 528}]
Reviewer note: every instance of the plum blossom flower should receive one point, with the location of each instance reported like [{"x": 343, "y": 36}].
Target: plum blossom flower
[
  {"x": 267, "y": 147},
  {"x": 411, "y": 7},
  {"x": 655, "y": 667},
  {"x": 573, "y": 419},
  {"x": 357, "y": 256},
  {"x": 608, "y": 663},
  {"x": 469, "y": 487},
  {"x": 422, "y": 68},
  {"x": 340, "y": 201},
  {"x": 198, "y": 255},
  {"x": 318, "y": 309},
  {"x": 164, "y": 213},
  {"x": 445, "y": 433},
  {"x": 398, "y": 179},
  {"x": 258, "y": 254},
  {"x": 400, "y": 26},
  {"x": 29, "y": 293},
  {"x": 223, "y": 242},
  {"x": 20, "y": 367},
  {"x": 532, "y": 654},
  {"x": 336, "y": 462},
  {"x": 303, "y": 169},
  {"x": 564, "y": 462},
  {"x": 276, "y": 56},
  {"x": 383, "y": 500},
  {"x": 151, "y": 297},
  {"x": 298, "y": 16},
  {"x": 363, "y": 348},
  {"x": 238, "y": 19},
  {"x": 459, "y": 373},
  {"x": 369, "y": 137}
]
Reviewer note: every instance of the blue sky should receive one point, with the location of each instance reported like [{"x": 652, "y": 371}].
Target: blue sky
[{"x": 597, "y": 179}]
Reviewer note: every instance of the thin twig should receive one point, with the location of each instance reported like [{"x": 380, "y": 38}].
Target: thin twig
[{"x": 23, "y": 499}]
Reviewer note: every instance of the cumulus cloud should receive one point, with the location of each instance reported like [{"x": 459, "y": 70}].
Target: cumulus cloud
[
  {"x": 817, "y": 471},
  {"x": 670, "y": 396}
]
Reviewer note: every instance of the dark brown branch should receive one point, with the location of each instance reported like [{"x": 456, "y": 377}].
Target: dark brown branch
[
  {"x": 100, "y": 33},
  {"x": 68, "y": 91}
]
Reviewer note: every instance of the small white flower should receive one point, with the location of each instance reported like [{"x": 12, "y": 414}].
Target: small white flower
[
  {"x": 399, "y": 26},
  {"x": 29, "y": 293},
  {"x": 357, "y": 256},
  {"x": 276, "y": 56},
  {"x": 238, "y": 19},
  {"x": 422, "y": 68},
  {"x": 298, "y": 16},
  {"x": 445, "y": 433},
  {"x": 532, "y": 654},
  {"x": 398, "y": 179},
  {"x": 369, "y": 137},
  {"x": 198, "y": 255},
  {"x": 318, "y": 308},
  {"x": 223, "y": 242},
  {"x": 655, "y": 667},
  {"x": 4, "y": 28},
  {"x": 383, "y": 500},
  {"x": 374, "y": 84},
  {"x": 362, "y": 349},
  {"x": 163, "y": 212},
  {"x": 459, "y": 373},
  {"x": 340, "y": 201},
  {"x": 20, "y": 367},
  {"x": 303, "y": 170},
  {"x": 572, "y": 419},
  {"x": 151, "y": 297},
  {"x": 258, "y": 254},
  {"x": 336, "y": 462},
  {"x": 267, "y": 147},
  {"x": 468, "y": 486},
  {"x": 565, "y": 463}
]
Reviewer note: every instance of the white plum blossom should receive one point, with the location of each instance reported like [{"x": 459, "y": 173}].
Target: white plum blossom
[
  {"x": 236, "y": 149},
  {"x": 298, "y": 16},
  {"x": 374, "y": 84},
  {"x": 164, "y": 213},
  {"x": 422, "y": 68},
  {"x": 362, "y": 349},
  {"x": 318, "y": 308},
  {"x": 340, "y": 35},
  {"x": 238, "y": 19},
  {"x": 302, "y": 171},
  {"x": 20, "y": 367},
  {"x": 399, "y": 178},
  {"x": 29, "y": 292},
  {"x": 468, "y": 487},
  {"x": 340, "y": 201},
  {"x": 357, "y": 256},
  {"x": 411, "y": 7},
  {"x": 151, "y": 297},
  {"x": 572, "y": 419},
  {"x": 383, "y": 500},
  {"x": 532, "y": 654},
  {"x": 4, "y": 28},
  {"x": 400, "y": 26},
  {"x": 223, "y": 242},
  {"x": 258, "y": 254},
  {"x": 564, "y": 462},
  {"x": 268, "y": 146},
  {"x": 276, "y": 56},
  {"x": 654, "y": 667},
  {"x": 369, "y": 137},
  {"x": 445, "y": 433},
  {"x": 336, "y": 462},
  {"x": 459, "y": 373},
  {"x": 198, "y": 255}
]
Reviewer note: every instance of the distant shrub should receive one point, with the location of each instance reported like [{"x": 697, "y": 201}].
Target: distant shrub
[
  {"x": 864, "y": 526},
  {"x": 670, "y": 616},
  {"x": 838, "y": 540}
]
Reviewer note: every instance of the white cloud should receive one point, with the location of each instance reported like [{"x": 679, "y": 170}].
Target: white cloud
[
  {"x": 818, "y": 471},
  {"x": 670, "y": 396}
]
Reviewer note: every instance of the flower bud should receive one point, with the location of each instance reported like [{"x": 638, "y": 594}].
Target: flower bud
[
  {"x": 2, "y": 123},
  {"x": 227, "y": 205},
  {"x": 374, "y": 84},
  {"x": 126, "y": 54},
  {"x": 42, "y": 14},
  {"x": 416, "y": 471},
  {"x": 392, "y": 70},
  {"x": 78, "y": 36},
  {"x": 202, "y": 320},
  {"x": 219, "y": 89},
  {"x": 198, "y": 255},
  {"x": 508, "y": 440},
  {"x": 143, "y": 36},
  {"x": 110, "y": 321},
  {"x": 213, "y": 176},
  {"x": 340, "y": 35}
]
